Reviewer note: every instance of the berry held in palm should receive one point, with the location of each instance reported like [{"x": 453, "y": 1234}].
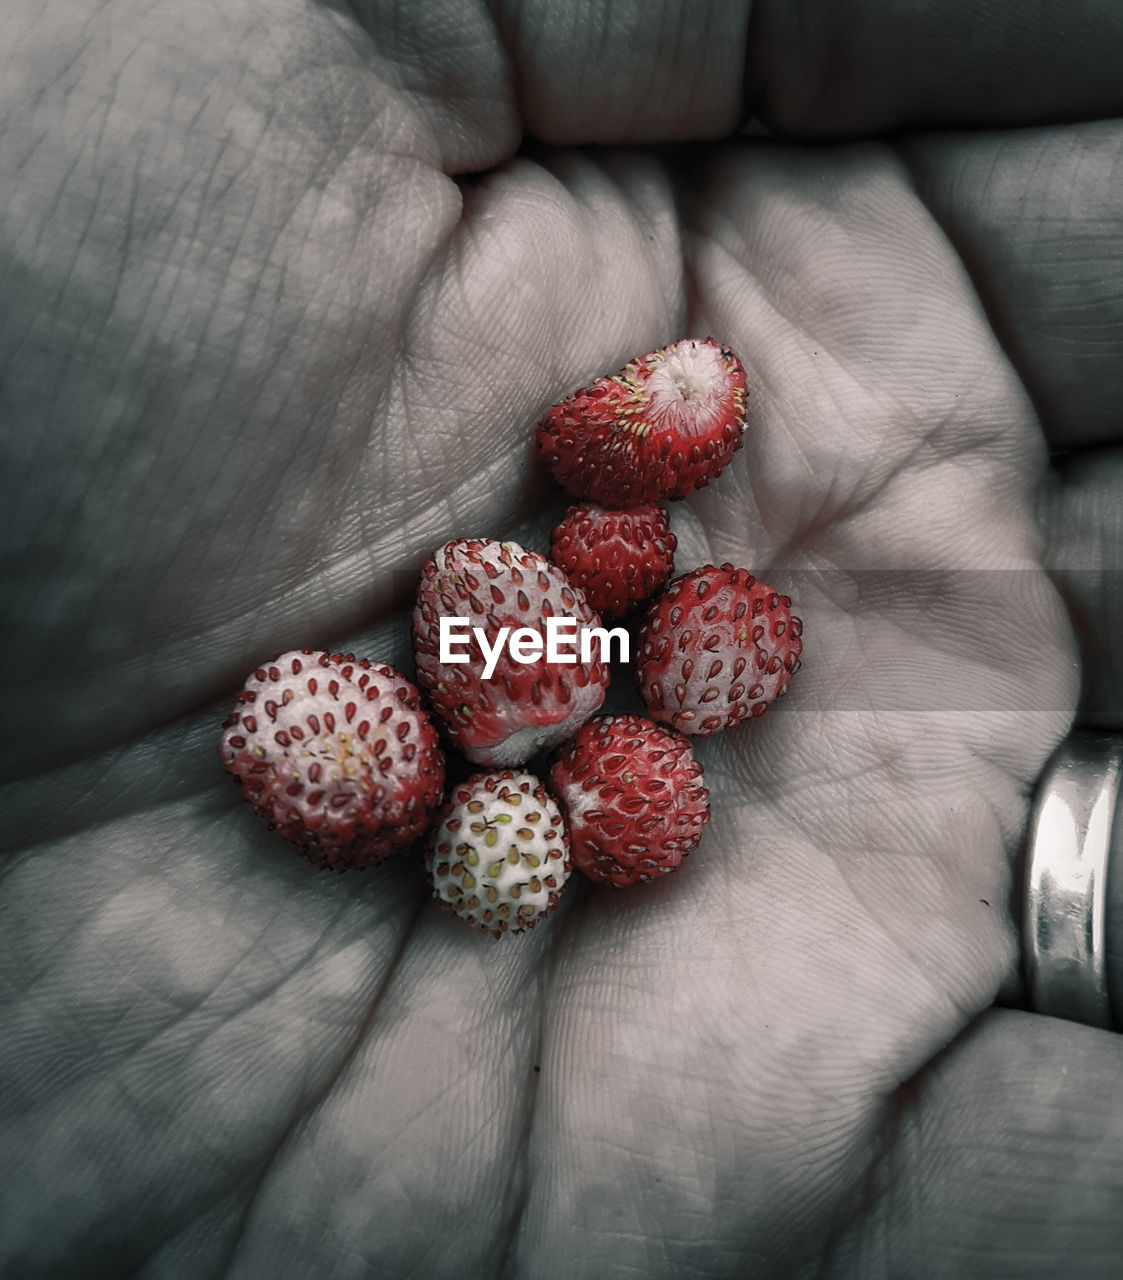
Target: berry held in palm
[
  {"x": 499, "y": 854},
  {"x": 632, "y": 794},
  {"x": 618, "y": 558},
  {"x": 665, "y": 425},
  {"x": 337, "y": 754},
  {"x": 521, "y": 707},
  {"x": 717, "y": 647}
]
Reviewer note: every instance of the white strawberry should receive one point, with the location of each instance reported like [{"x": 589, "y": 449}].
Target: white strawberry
[{"x": 499, "y": 854}]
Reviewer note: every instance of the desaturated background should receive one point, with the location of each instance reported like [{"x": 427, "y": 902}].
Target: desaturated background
[{"x": 284, "y": 290}]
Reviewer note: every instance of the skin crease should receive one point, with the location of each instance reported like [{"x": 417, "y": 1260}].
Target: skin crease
[{"x": 262, "y": 349}]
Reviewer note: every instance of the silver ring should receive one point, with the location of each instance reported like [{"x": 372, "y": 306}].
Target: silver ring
[{"x": 1070, "y": 837}]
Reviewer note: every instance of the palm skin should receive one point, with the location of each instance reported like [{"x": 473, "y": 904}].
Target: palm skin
[{"x": 313, "y": 357}]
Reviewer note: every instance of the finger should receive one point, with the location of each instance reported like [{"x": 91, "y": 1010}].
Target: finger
[
  {"x": 1082, "y": 520},
  {"x": 633, "y": 72},
  {"x": 1082, "y": 527},
  {"x": 1015, "y": 990},
  {"x": 868, "y": 65},
  {"x": 1005, "y": 1159},
  {"x": 614, "y": 71},
  {"x": 1035, "y": 216},
  {"x": 600, "y": 71}
]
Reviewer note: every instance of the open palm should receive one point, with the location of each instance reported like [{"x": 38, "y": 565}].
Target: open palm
[{"x": 264, "y": 355}]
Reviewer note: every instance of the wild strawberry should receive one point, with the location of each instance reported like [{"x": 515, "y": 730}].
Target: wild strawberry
[
  {"x": 500, "y": 711},
  {"x": 337, "y": 754},
  {"x": 499, "y": 856},
  {"x": 632, "y": 794},
  {"x": 715, "y": 647},
  {"x": 618, "y": 558},
  {"x": 663, "y": 426}
]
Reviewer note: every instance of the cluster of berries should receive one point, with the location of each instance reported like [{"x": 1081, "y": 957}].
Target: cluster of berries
[{"x": 340, "y": 754}]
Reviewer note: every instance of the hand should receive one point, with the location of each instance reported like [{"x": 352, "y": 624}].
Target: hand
[{"x": 260, "y": 353}]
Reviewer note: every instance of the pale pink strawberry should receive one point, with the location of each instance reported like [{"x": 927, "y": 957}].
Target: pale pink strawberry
[
  {"x": 632, "y": 795},
  {"x": 665, "y": 425},
  {"x": 337, "y": 754},
  {"x": 618, "y": 558},
  {"x": 499, "y": 855},
  {"x": 521, "y": 708},
  {"x": 716, "y": 648}
]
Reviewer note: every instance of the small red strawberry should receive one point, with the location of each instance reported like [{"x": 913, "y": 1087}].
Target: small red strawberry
[
  {"x": 337, "y": 753},
  {"x": 618, "y": 558},
  {"x": 663, "y": 426},
  {"x": 716, "y": 647},
  {"x": 632, "y": 794},
  {"x": 499, "y": 855},
  {"x": 500, "y": 711}
]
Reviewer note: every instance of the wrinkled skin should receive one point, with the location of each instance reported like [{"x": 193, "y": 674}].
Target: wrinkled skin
[{"x": 262, "y": 350}]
